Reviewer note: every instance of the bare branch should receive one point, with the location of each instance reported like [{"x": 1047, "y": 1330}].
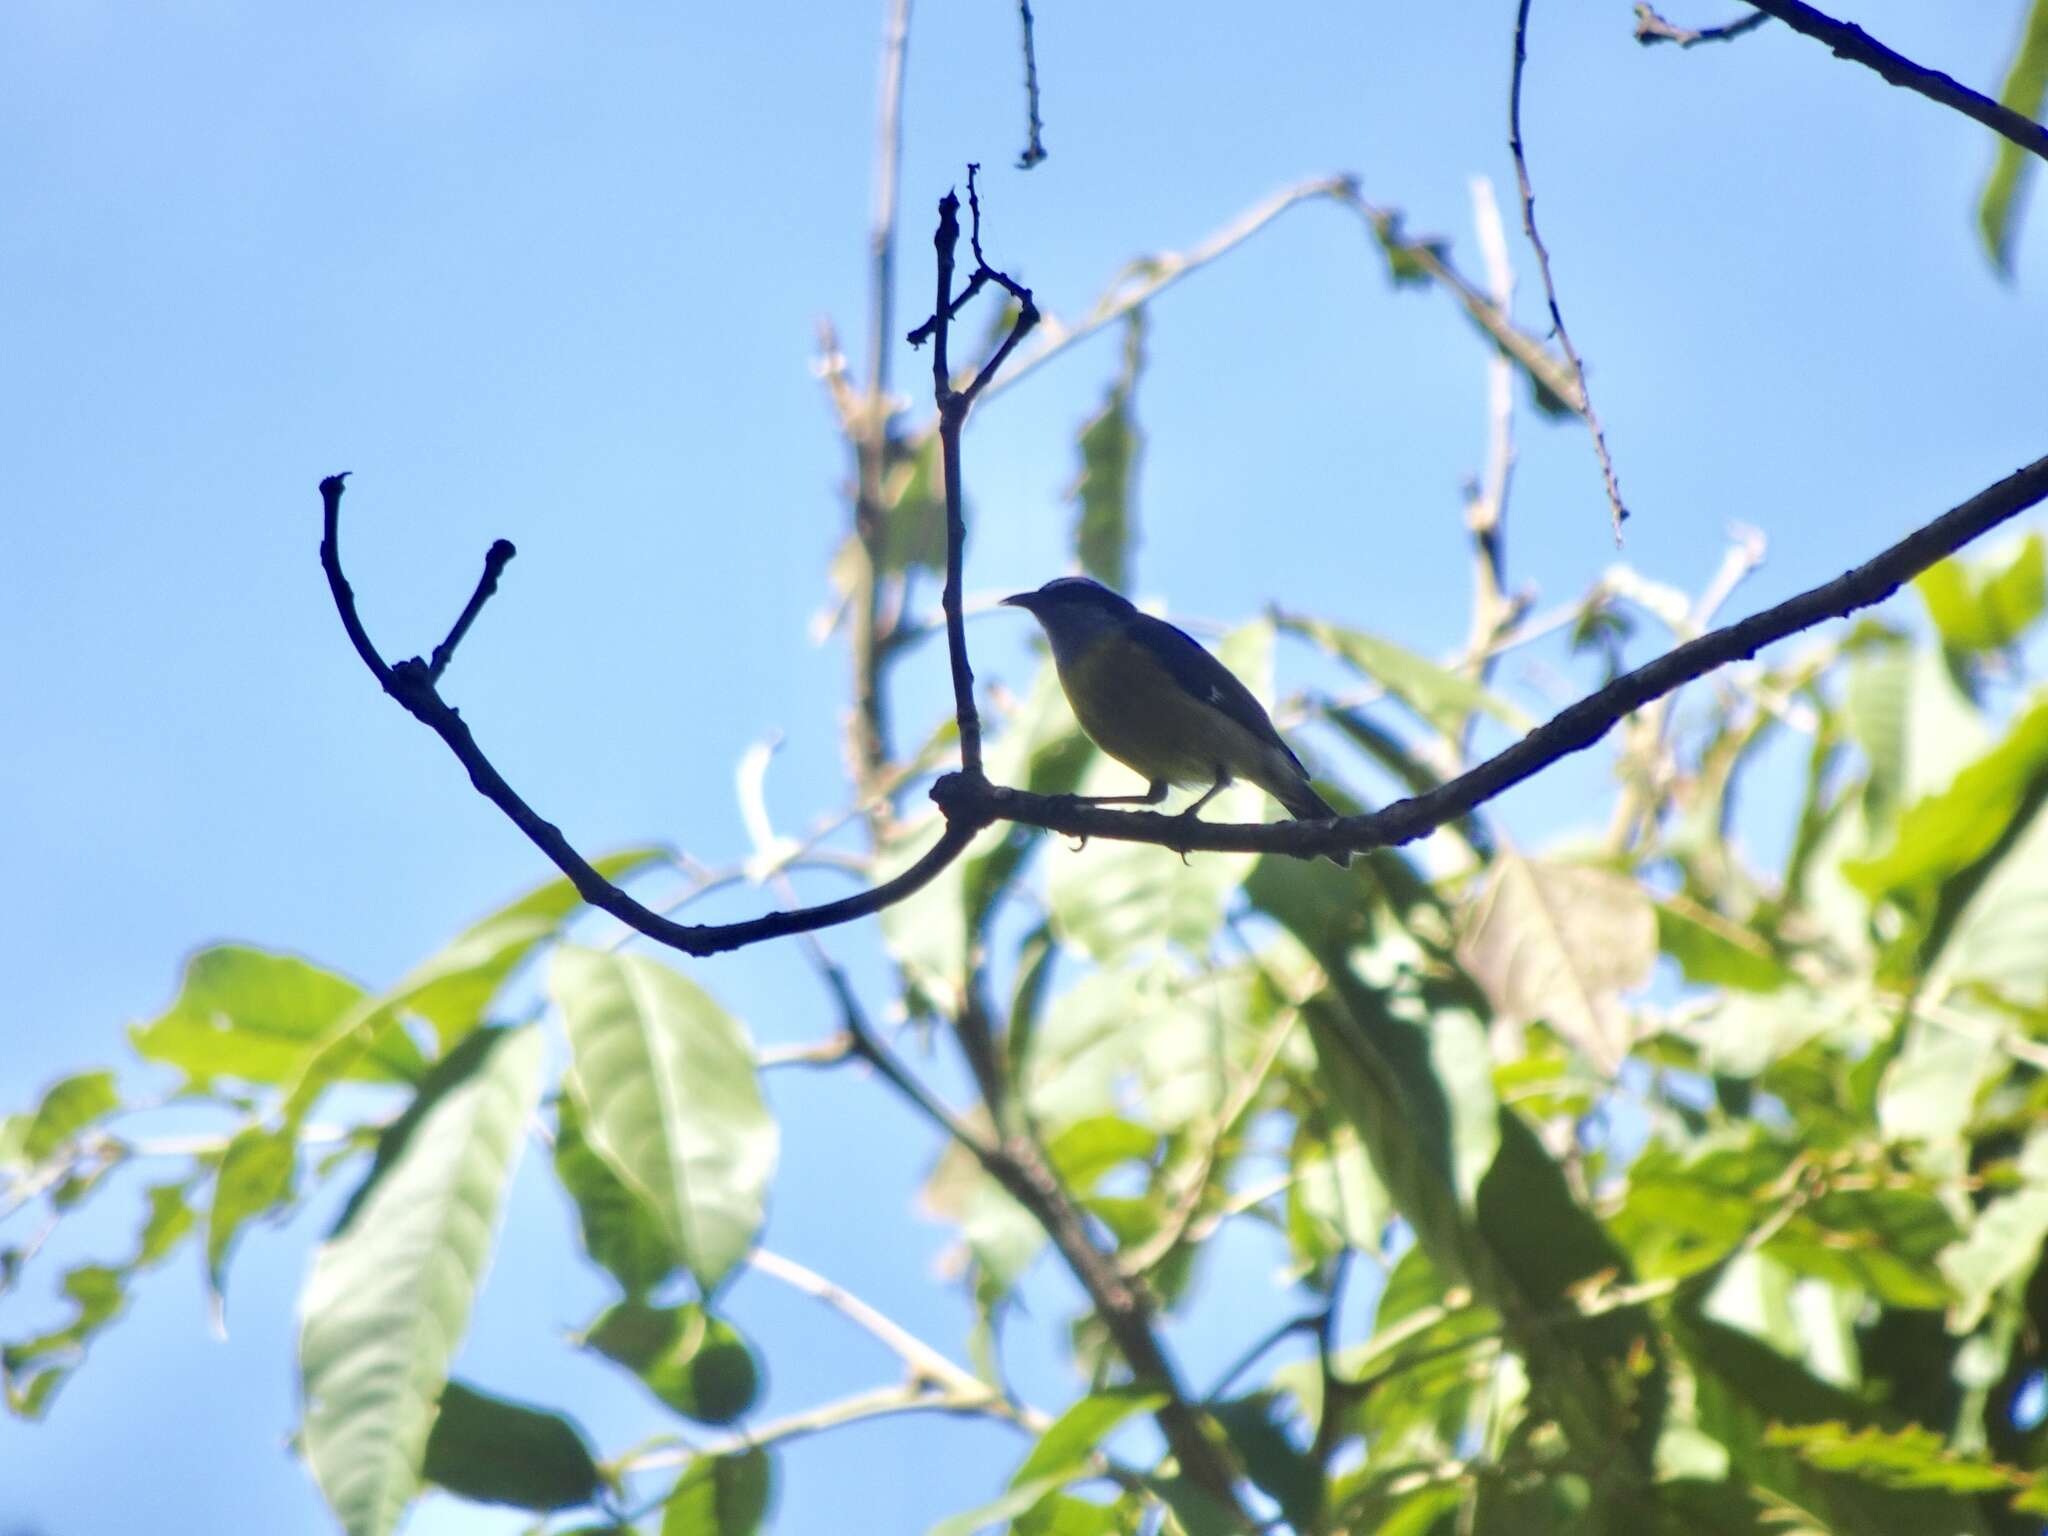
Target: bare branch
[
  {"x": 1853, "y": 43},
  {"x": 1034, "y": 143},
  {"x": 1572, "y": 730},
  {"x": 1652, "y": 28},
  {"x": 1564, "y": 339},
  {"x": 928, "y": 1367},
  {"x": 412, "y": 685},
  {"x": 954, "y": 404},
  {"x": 878, "y": 1403},
  {"x": 495, "y": 560}
]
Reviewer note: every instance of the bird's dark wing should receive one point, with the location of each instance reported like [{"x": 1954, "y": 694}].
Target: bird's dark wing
[{"x": 1206, "y": 678}]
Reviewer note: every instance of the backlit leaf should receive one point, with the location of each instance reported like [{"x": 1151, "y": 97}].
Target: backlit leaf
[
  {"x": 1443, "y": 698},
  {"x": 389, "y": 1296},
  {"x": 1560, "y": 943},
  {"x": 666, "y": 1093}
]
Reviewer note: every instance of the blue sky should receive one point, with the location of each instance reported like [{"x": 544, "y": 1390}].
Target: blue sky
[{"x": 554, "y": 274}]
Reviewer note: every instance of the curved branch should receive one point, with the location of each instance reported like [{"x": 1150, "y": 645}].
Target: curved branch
[
  {"x": 1564, "y": 339},
  {"x": 1853, "y": 43},
  {"x": 411, "y": 683},
  {"x": 1572, "y": 730}
]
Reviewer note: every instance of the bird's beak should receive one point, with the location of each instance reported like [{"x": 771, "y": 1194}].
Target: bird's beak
[{"x": 1019, "y": 600}]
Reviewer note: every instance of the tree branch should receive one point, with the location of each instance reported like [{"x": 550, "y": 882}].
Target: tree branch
[
  {"x": 954, "y": 404},
  {"x": 1572, "y": 730},
  {"x": 865, "y": 420},
  {"x": 1034, "y": 128},
  {"x": 411, "y": 683},
  {"x": 1853, "y": 43},
  {"x": 496, "y": 558},
  {"x": 1652, "y": 28},
  {"x": 1564, "y": 338}
]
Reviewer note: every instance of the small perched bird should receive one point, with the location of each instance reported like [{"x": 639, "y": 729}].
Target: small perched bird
[{"x": 1153, "y": 699}]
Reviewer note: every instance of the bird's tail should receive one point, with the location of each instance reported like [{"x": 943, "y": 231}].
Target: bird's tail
[{"x": 1301, "y": 802}]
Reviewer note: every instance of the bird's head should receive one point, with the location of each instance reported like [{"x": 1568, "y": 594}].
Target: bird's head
[{"x": 1074, "y": 610}]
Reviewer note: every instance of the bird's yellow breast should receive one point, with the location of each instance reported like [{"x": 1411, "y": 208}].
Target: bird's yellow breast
[{"x": 1138, "y": 712}]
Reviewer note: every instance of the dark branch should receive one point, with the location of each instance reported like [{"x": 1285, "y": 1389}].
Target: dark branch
[
  {"x": 1853, "y": 43},
  {"x": 411, "y": 683},
  {"x": 1034, "y": 128},
  {"x": 496, "y": 558},
  {"x": 1652, "y": 28},
  {"x": 954, "y": 404},
  {"x": 1564, "y": 339},
  {"x": 1573, "y": 730}
]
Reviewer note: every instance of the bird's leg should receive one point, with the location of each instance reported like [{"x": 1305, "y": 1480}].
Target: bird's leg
[
  {"x": 1222, "y": 783},
  {"x": 1152, "y": 796}
]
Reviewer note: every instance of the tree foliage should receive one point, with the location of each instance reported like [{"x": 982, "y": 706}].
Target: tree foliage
[{"x": 1699, "y": 1173}]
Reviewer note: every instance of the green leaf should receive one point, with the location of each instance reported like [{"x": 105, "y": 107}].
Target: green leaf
[
  {"x": 1019, "y": 1501},
  {"x": 1335, "y": 1200},
  {"x": 1715, "y": 952},
  {"x": 2026, "y": 83},
  {"x": 255, "y": 1179},
  {"x": 1256, "y": 1427},
  {"x": 1550, "y": 1250},
  {"x": 1912, "y": 1457},
  {"x": 389, "y": 1296},
  {"x": 496, "y": 1451},
  {"x": 1441, "y": 697},
  {"x": 2004, "y": 1240},
  {"x": 620, "y": 1230},
  {"x": 1059, "y": 1514},
  {"x": 721, "y": 1496},
  {"x": 253, "y": 1015},
  {"x": 1110, "y": 445},
  {"x": 1943, "y": 833},
  {"x": 453, "y": 989},
  {"x": 1743, "y": 1388},
  {"x": 33, "y": 1369},
  {"x": 169, "y": 1222},
  {"x": 1559, "y": 943},
  {"x": 1884, "y": 1241},
  {"x": 1000, "y": 1235},
  {"x": 1076, "y": 1434},
  {"x": 914, "y": 506},
  {"x": 665, "y": 1086},
  {"x": 1916, "y": 727},
  {"x": 1985, "y": 606},
  {"x": 697, "y": 1364},
  {"x": 1086, "y": 1150},
  {"x": 68, "y": 1107}
]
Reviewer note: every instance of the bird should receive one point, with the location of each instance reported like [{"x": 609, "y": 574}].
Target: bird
[{"x": 1151, "y": 697}]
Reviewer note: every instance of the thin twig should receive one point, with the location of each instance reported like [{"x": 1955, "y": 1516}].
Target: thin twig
[
  {"x": 865, "y": 421},
  {"x": 1853, "y": 43},
  {"x": 877, "y": 1403},
  {"x": 882, "y": 226},
  {"x": 1652, "y": 28},
  {"x": 1486, "y": 512},
  {"x": 495, "y": 560},
  {"x": 1573, "y": 729},
  {"x": 927, "y": 1365},
  {"x": 1564, "y": 338},
  {"x": 1034, "y": 142},
  {"x": 873, "y": 1049}
]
